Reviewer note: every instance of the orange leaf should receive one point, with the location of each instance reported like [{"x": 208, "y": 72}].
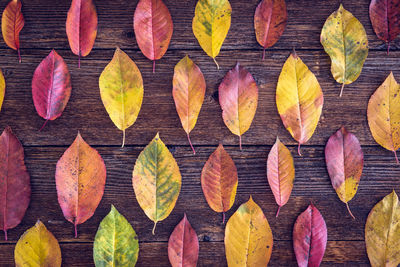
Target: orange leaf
[
  {"x": 153, "y": 27},
  {"x": 12, "y": 23},
  {"x": 280, "y": 173},
  {"x": 189, "y": 88},
  {"x": 238, "y": 97},
  {"x": 80, "y": 180},
  {"x": 219, "y": 181},
  {"x": 81, "y": 27}
]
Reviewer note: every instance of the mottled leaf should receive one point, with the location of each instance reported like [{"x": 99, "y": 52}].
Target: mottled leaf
[
  {"x": 156, "y": 180},
  {"x": 219, "y": 181},
  {"x": 309, "y": 237},
  {"x": 189, "y": 88},
  {"x": 81, "y": 27},
  {"x": 116, "y": 243},
  {"x": 37, "y": 247},
  {"x": 270, "y": 22},
  {"x": 12, "y": 22},
  {"x": 345, "y": 41},
  {"x": 15, "y": 188},
  {"x": 248, "y": 237},
  {"x": 384, "y": 116},
  {"x": 238, "y": 97},
  {"x": 344, "y": 161},
  {"x": 121, "y": 90},
  {"x": 51, "y": 87},
  {"x": 280, "y": 173},
  {"x": 153, "y": 27},
  {"x": 299, "y": 99},
  {"x": 382, "y": 232},
  {"x": 2, "y": 88},
  {"x": 211, "y": 23},
  {"x": 80, "y": 181},
  {"x": 183, "y": 245}
]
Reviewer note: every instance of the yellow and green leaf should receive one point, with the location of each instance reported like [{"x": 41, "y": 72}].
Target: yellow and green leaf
[
  {"x": 248, "y": 237},
  {"x": 116, "y": 243},
  {"x": 211, "y": 23},
  {"x": 345, "y": 41},
  {"x": 156, "y": 180},
  {"x": 37, "y": 247},
  {"x": 121, "y": 90}
]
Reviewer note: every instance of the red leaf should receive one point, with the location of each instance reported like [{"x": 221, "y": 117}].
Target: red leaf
[
  {"x": 153, "y": 27},
  {"x": 183, "y": 245},
  {"x": 12, "y": 23},
  {"x": 81, "y": 27},
  {"x": 385, "y": 19},
  {"x": 309, "y": 237},
  {"x": 51, "y": 87},
  {"x": 15, "y": 189}
]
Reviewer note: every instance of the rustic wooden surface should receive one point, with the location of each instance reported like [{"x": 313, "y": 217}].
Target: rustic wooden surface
[{"x": 45, "y": 29}]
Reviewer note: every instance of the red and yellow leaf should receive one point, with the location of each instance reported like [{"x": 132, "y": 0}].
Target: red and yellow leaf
[
  {"x": 384, "y": 116},
  {"x": 153, "y": 27},
  {"x": 344, "y": 161},
  {"x": 81, "y": 27},
  {"x": 189, "y": 88},
  {"x": 280, "y": 173},
  {"x": 15, "y": 188},
  {"x": 12, "y": 22},
  {"x": 238, "y": 97},
  {"x": 309, "y": 237},
  {"x": 2, "y": 88},
  {"x": 219, "y": 181},
  {"x": 51, "y": 87},
  {"x": 270, "y": 22},
  {"x": 183, "y": 245},
  {"x": 299, "y": 99},
  {"x": 80, "y": 181}
]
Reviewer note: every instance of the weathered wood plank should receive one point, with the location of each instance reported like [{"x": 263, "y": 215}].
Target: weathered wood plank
[{"x": 85, "y": 111}]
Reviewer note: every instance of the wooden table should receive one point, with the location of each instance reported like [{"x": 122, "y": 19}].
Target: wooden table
[{"x": 45, "y": 29}]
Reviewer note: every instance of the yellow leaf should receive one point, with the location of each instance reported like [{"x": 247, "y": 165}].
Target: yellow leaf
[
  {"x": 2, "y": 88},
  {"x": 383, "y": 114},
  {"x": 345, "y": 41},
  {"x": 211, "y": 23},
  {"x": 121, "y": 90},
  {"x": 382, "y": 232},
  {"x": 299, "y": 99},
  {"x": 248, "y": 237},
  {"x": 37, "y": 247},
  {"x": 156, "y": 180}
]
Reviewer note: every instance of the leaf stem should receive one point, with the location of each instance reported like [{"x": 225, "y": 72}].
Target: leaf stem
[
  {"x": 76, "y": 230},
  {"x": 123, "y": 138},
  {"x": 44, "y": 124},
  {"x": 5, "y": 234},
  {"x": 240, "y": 142},
  {"x": 79, "y": 60},
  {"x": 19, "y": 55},
  {"x": 395, "y": 155},
  {"x": 298, "y": 150},
  {"x": 263, "y": 54},
  {"x": 223, "y": 217},
  {"x": 154, "y": 66},
  {"x": 154, "y": 228},
  {"x": 216, "y": 63},
  {"x": 348, "y": 208},
  {"x": 190, "y": 142},
  {"x": 341, "y": 90},
  {"x": 277, "y": 213}
]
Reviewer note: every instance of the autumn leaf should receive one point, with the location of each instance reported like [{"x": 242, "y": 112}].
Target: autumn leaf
[
  {"x": 299, "y": 99},
  {"x": 37, "y": 247},
  {"x": 269, "y": 22},
  {"x": 211, "y": 23},
  {"x": 81, "y": 27},
  {"x": 51, "y": 87},
  {"x": 345, "y": 41},
  {"x": 189, "y": 88},
  {"x": 344, "y": 161},
  {"x": 116, "y": 243},
  {"x": 121, "y": 90},
  {"x": 153, "y": 27},
  {"x": 219, "y": 181},
  {"x": 248, "y": 237},
  {"x": 156, "y": 180},
  {"x": 238, "y": 97},
  {"x": 183, "y": 245},
  {"x": 309, "y": 237},
  {"x": 2, "y": 88},
  {"x": 280, "y": 173},
  {"x": 15, "y": 188},
  {"x": 383, "y": 115},
  {"x": 384, "y": 15},
  {"x": 382, "y": 232},
  {"x": 12, "y": 22},
  {"x": 80, "y": 181}
]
